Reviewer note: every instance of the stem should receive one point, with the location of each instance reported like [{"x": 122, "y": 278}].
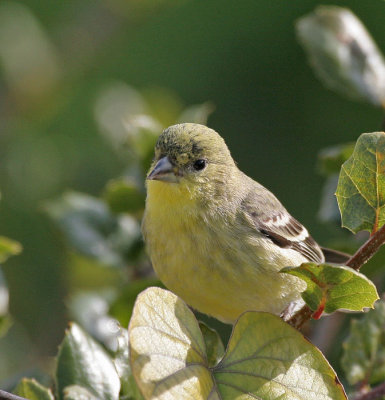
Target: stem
[
  {"x": 374, "y": 394},
  {"x": 10, "y": 396},
  {"x": 367, "y": 250},
  {"x": 362, "y": 256}
]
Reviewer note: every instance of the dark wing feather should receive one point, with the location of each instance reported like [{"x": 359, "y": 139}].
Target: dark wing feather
[
  {"x": 273, "y": 221},
  {"x": 291, "y": 235}
]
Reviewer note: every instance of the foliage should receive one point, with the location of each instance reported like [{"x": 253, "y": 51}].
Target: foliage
[
  {"x": 166, "y": 352},
  {"x": 331, "y": 288}
]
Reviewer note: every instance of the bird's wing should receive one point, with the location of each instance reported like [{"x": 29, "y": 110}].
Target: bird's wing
[{"x": 273, "y": 221}]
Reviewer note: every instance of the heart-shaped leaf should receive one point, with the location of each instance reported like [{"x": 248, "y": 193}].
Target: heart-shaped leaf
[{"x": 265, "y": 359}]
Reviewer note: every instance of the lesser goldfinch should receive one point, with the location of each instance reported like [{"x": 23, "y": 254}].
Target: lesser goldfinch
[{"x": 217, "y": 238}]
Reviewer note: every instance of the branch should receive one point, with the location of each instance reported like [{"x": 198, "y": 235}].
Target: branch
[
  {"x": 361, "y": 256},
  {"x": 374, "y": 394},
  {"x": 367, "y": 250},
  {"x": 9, "y": 396}
]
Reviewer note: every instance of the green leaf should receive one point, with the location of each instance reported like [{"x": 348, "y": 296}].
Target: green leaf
[
  {"x": 364, "y": 349},
  {"x": 332, "y": 288},
  {"x": 8, "y": 248},
  {"x": 361, "y": 187},
  {"x": 266, "y": 358},
  {"x": 83, "y": 362},
  {"x": 213, "y": 342},
  {"x": 122, "y": 195},
  {"x": 93, "y": 230},
  {"x": 76, "y": 392},
  {"x": 32, "y": 390},
  {"x": 167, "y": 350},
  {"x": 343, "y": 54}
]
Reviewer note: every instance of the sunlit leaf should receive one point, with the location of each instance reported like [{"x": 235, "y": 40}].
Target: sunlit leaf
[
  {"x": 343, "y": 54},
  {"x": 83, "y": 362},
  {"x": 361, "y": 187},
  {"x": 268, "y": 359},
  {"x": 76, "y": 392},
  {"x": 331, "y": 288},
  {"x": 167, "y": 349},
  {"x": 213, "y": 342},
  {"x": 33, "y": 390},
  {"x": 92, "y": 229},
  {"x": 8, "y": 248},
  {"x": 129, "y": 388},
  {"x": 124, "y": 196},
  {"x": 265, "y": 359},
  {"x": 364, "y": 349}
]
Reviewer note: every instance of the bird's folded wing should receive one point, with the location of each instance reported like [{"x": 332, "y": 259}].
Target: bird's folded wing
[{"x": 273, "y": 221}]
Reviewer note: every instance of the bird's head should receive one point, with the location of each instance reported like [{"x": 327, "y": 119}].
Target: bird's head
[{"x": 193, "y": 158}]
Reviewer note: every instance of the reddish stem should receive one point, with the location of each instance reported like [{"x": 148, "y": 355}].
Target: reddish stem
[{"x": 361, "y": 257}]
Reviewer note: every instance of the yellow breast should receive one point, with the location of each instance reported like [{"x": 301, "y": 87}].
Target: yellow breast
[{"x": 216, "y": 266}]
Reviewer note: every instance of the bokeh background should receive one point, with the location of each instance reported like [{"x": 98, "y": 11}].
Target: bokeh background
[{"x": 69, "y": 70}]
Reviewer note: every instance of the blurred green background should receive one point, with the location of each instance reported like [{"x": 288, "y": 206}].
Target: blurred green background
[{"x": 62, "y": 62}]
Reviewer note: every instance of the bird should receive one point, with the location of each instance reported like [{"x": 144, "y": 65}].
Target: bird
[{"x": 216, "y": 237}]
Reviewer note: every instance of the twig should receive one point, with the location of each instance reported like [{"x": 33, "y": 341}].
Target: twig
[
  {"x": 374, "y": 394},
  {"x": 9, "y": 396},
  {"x": 367, "y": 250},
  {"x": 361, "y": 256}
]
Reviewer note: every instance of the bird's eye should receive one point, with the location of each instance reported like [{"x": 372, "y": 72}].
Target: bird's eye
[{"x": 199, "y": 165}]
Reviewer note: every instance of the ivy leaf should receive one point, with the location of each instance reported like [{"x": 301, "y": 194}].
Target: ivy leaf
[
  {"x": 83, "y": 362},
  {"x": 361, "y": 187},
  {"x": 268, "y": 359},
  {"x": 33, "y": 390},
  {"x": 364, "y": 351},
  {"x": 8, "y": 248},
  {"x": 265, "y": 359},
  {"x": 167, "y": 349},
  {"x": 331, "y": 288}
]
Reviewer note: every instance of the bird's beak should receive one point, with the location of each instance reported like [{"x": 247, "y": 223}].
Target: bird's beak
[{"x": 163, "y": 171}]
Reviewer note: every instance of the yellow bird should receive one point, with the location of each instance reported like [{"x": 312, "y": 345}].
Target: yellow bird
[{"x": 217, "y": 238}]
